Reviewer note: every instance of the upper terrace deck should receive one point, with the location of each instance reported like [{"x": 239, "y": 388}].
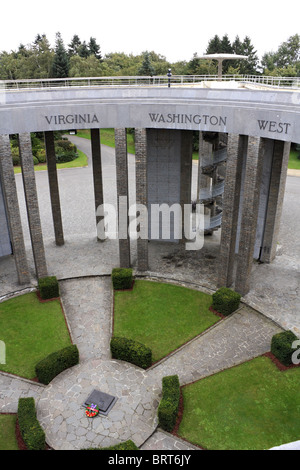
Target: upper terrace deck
[{"x": 249, "y": 105}]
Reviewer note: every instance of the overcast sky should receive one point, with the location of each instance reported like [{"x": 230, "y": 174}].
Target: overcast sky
[{"x": 174, "y": 29}]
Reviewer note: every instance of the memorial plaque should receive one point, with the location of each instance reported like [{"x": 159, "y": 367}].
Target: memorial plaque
[{"x": 104, "y": 401}]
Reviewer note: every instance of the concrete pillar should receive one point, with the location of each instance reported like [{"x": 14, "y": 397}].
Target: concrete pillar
[
  {"x": 186, "y": 173},
  {"x": 231, "y": 203},
  {"x": 54, "y": 188},
  {"x": 32, "y": 205},
  {"x": 204, "y": 179},
  {"x": 281, "y": 152},
  {"x": 13, "y": 212},
  {"x": 122, "y": 196},
  {"x": 249, "y": 215},
  {"x": 97, "y": 171},
  {"x": 141, "y": 197}
]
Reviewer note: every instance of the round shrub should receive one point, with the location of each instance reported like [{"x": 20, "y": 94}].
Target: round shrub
[
  {"x": 131, "y": 351},
  {"x": 41, "y": 155},
  {"x": 16, "y": 160},
  {"x": 48, "y": 287},
  {"x": 122, "y": 278},
  {"x": 55, "y": 363},
  {"x": 225, "y": 301},
  {"x": 281, "y": 346}
]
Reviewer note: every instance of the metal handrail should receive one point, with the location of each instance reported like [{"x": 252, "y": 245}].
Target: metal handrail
[{"x": 157, "y": 80}]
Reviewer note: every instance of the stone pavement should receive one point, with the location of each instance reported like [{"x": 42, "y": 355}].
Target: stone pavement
[
  {"x": 83, "y": 267},
  {"x": 88, "y": 308}
]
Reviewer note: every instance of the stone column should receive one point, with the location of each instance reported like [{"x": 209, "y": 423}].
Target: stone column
[
  {"x": 54, "y": 188},
  {"x": 186, "y": 173},
  {"x": 97, "y": 171},
  {"x": 231, "y": 202},
  {"x": 13, "y": 211},
  {"x": 281, "y": 152},
  {"x": 122, "y": 197},
  {"x": 32, "y": 205},
  {"x": 249, "y": 214},
  {"x": 141, "y": 197}
]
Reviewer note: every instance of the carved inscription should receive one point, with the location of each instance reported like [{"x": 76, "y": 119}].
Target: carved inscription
[
  {"x": 188, "y": 119},
  {"x": 72, "y": 119},
  {"x": 274, "y": 126}
]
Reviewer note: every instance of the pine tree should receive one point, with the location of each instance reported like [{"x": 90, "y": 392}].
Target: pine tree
[
  {"x": 60, "y": 66},
  {"x": 83, "y": 50},
  {"x": 94, "y": 49},
  {"x": 250, "y": 65},
  {"x": 74, "y": 45},
  {"x": 146, "y": 67},
  {"x": 214, "y": 45}
]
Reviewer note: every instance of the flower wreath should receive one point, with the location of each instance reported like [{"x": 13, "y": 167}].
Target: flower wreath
[{"x": 92, "y": 410}]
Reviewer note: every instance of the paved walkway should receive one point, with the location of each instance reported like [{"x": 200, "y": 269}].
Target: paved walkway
[
  {"x": 83, "y": 267},
  {"x": 88, "y": 308}
]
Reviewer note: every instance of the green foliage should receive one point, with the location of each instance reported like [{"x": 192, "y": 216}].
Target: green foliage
[
  {"x": 243, "y": 66},
  {"x": 60, "y": 65},
  {"x": 55, "y": 363},
  {"x": 48, "y": 287},
  {"x": 122, "y": 278},
  {"x": 281, "y": 346},
  {"x": 146, "y": 67},
  {"x": 82, "y": 59},
  {"x": 285, "y": 61},
  {"x": 15, "y": 156},
  {"x": 131, "y": 351},
  {"x": 65, "y": 151},
  {"x": 31, "y": 430},
  {"x": 169, "y": 404},
  {"x": 225, "y": 301},
  {"x": 127, "y": 445}
]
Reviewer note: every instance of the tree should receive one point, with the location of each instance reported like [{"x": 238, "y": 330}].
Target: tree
[
  {"x": 60, "y": 66},
  {"x": 83, "y": 50},
  {"x": 245, "y": 66},
  {"x": 214, "y": 45},
  {"x": 94, "y": 48},
  {"x": 74, "y": 45},
  {"x": 146, "y": 67},
  {"x": 197, "y": 66},
  {"x": 85, "y": 67},
  {"x": 285, "y": 61},
  {"x": 220, "y": 46},
  {"x": 42, "y": 57}
]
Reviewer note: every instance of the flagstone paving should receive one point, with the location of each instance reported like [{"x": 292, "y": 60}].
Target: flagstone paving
[{"x": 88, "y": 308}]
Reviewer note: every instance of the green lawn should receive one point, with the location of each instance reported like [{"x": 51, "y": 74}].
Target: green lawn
[
  {"x": 30, "y": 330},
  {"x": 108, "y": 138},
  {"x": 8, "y": 439},
  {"x": 294, "y": 162},
  {"x": 161, "y": 316},
  {"x": 253, "y": 406},
  {"x": 81, "y": 161}
]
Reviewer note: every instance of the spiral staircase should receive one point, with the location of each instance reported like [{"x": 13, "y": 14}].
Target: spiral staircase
[{"x": 211, "y": 178}]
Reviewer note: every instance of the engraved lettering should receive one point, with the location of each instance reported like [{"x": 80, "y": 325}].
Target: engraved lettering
[{"x": 273, "y": 126}]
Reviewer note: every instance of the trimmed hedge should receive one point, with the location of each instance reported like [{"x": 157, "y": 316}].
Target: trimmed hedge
[
  {"x": 48, "y": 287},
  {"x": 131, "y": 351},
  {"x": 55, "y": 363},
  {"x": 127, "y": 445},
  {"x": 122, "y": 278},
  {"x": 32, "y": 433},
  {"x": 225, "y": 301},
  {"x": 169, "y": 404},
  {"x": 281, "y": 346}
]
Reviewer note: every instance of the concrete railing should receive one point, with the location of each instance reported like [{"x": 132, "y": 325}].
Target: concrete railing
[{"x": 175, "y": 80}]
